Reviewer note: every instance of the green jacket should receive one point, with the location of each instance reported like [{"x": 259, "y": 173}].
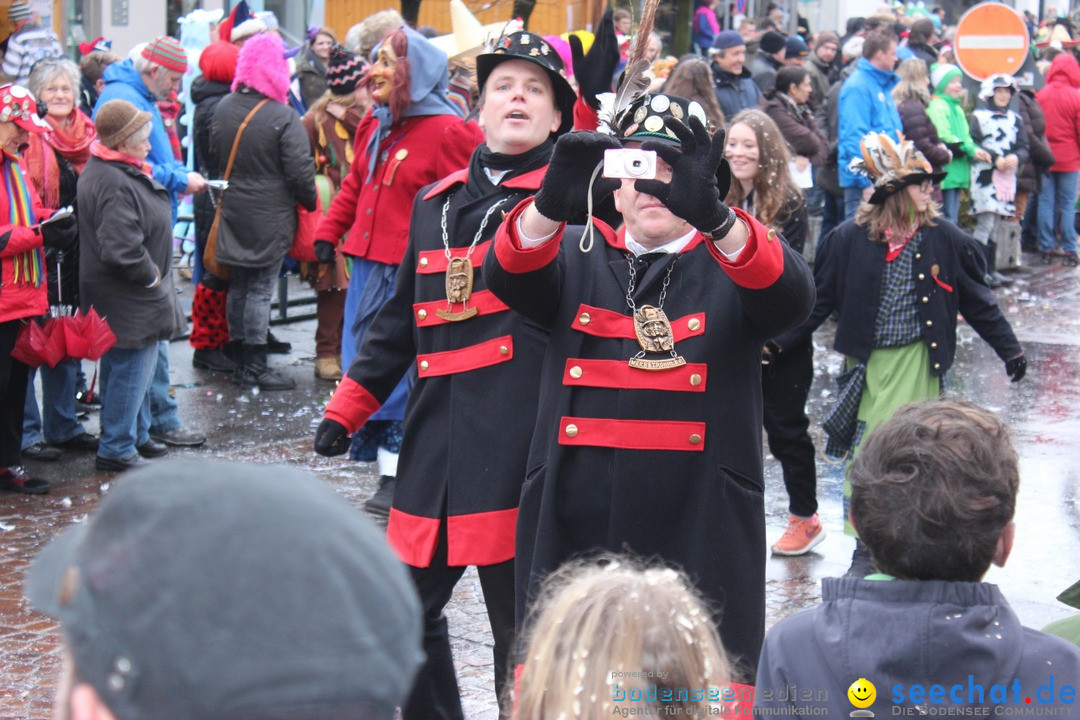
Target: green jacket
[{"x": 951, "y": 122}]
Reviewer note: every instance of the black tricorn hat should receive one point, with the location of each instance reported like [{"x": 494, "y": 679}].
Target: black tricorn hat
[{"x": 533, "y": 48}]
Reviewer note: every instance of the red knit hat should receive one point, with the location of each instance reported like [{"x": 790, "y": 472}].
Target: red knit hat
[
  {"x": 218, "y": 61},
  {"x": 166, "y": 52}
]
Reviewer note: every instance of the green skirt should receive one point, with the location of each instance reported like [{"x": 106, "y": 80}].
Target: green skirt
[{"x": 894, "y": 377}]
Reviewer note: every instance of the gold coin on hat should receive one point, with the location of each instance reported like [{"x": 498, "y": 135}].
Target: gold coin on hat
[
  {"x": 697, "y": 111},
  {"x": 676, "y": 111},
  {"x": 660, "y": 103},
  {"x": 654, "y": 123},
  {"x": 631, "y": 130},
  {"x": 640, "y": 114}
]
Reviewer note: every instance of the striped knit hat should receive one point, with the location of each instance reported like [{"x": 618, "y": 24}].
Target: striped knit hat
[
  {"x": 166, "y": 52},
  {"x": 343, "y": 70},
  {"x": 941, "y": 75},
  {"x": 19, "y": 11}
]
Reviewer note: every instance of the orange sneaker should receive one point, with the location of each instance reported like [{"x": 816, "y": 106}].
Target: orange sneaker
[{"x": 802, "y": 535}]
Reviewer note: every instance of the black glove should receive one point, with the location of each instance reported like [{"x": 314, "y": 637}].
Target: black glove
[
  {"x": 699, "y": 178},
  {"x": 1016, "y": 368},
  {"x": 595, "y": 70},
  {"x": 565, "y": 189},
  {"x": 331, "y": 438},
  {"x": 325, "y": 252},
  {"x": 61, "y": 234}
]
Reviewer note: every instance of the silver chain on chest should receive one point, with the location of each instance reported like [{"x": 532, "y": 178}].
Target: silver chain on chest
[
  {"x": 633, "y": 283},
  {"x": 479, "y": 232}
]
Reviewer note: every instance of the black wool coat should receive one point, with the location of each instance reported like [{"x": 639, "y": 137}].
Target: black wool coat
[
  {"x": 1041, "y": 156},
  {"x": 920, "y": 130},
  {"x": 664, "y": 463}
]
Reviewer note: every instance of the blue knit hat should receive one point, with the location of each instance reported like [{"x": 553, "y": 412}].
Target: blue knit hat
[{"x": 727, "y": 39}]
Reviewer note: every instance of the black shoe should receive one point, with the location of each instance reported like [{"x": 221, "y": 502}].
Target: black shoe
[
  {"x": 1070, "y": 259},
  {"x": 861, "y": 562},
  {"x": 41, "y": 452},
  {"x": 83, "y": 442},
  {"x": 254, "y": 372},
  {"x": 152, "y": 449},
  {"x": 275, "y": 346},
  {"x": 84, "y": 398},
  {"x": 213, "y": 359},
  {"x": 179, "y": 437},
  {"x": 16, "y": 479},
  {"x": 380, "y": 502},
  {"x": 1047, "y": 258},
  {"x": 118, "y": 465}
]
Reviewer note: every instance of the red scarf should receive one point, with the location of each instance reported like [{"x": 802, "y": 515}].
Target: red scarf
[
  {"x": 100, "y": 151},
  {"x": 898, "y": 241},
  {"x": 72, "y": 142}
]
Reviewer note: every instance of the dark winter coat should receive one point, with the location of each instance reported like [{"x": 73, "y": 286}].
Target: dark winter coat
[
  {"x": 125, "y": 246},
  {"x": 763, "y": 68},
  {"x": 822, "y": 77},
  {"x": 664, "y": 463},
  {"x": 206, "y": 96},
  {"x": 829, "y": 176},
  {"x": 901, "y": 633},
  {"x": 949, "y": 268},
  {"x": 922, "y": 132},
  {"x": 798, "y": 127},
  {"x": 1042, "y": 158},
  {"x": 927, "y": 53},
  {"x": 734, "y": 93},
  {"x": 471, "y": 412},
  {"x": 311, "y": 75},
  {"x": 272, "y": 174}
]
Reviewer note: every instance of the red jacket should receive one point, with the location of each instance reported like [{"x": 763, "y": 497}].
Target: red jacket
[
  {"x": 1060, "y": 102},
  {"x": 21, "y": 247},
  {"x": 417, "y": 152}
]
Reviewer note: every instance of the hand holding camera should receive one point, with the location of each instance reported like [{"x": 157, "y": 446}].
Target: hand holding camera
[
  {"x": 564, "y": 194},
  {"x": 700, "y": 178}
]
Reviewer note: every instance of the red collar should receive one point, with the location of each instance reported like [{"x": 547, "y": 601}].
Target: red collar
[{"x": 529, "y": 181}]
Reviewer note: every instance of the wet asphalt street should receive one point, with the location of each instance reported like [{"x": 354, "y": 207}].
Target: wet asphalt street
[{"x": 276, "y": 428}]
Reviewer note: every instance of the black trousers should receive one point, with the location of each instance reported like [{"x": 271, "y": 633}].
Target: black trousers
[
  {"x": 13, "y": 377},
  {"x": 785, "y": 385},
  {"x": 435, "y": 694}
]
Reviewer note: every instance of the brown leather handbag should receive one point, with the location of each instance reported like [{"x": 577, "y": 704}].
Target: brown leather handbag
[{"x": 210, "y": 261}]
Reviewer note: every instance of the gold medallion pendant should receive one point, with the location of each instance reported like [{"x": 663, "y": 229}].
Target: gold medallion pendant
[
  {"x": 654, "y": 335},
  {"x": 459, "y": 284}
]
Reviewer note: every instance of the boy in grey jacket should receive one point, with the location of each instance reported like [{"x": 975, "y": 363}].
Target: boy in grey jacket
[{"x": 934, "y": 492}]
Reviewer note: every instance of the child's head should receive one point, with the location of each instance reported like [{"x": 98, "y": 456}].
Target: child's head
[
  {"x": 934, "y": 491},
  {"x": 594, "y": 621}
]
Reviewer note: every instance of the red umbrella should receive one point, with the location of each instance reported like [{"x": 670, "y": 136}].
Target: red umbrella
[
  {"x": 89, "y": 336},
  {"x": 39, "y": 344}
]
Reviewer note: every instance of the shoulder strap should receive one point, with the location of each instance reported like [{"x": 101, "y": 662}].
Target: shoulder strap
[{"x": 239, "y": 133}]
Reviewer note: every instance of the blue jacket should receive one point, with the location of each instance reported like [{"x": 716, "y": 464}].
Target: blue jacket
[
  {"x": 123, "y": 82},
  {"x": 865, "y": 105},
  {"x": 734, "y": 93}
]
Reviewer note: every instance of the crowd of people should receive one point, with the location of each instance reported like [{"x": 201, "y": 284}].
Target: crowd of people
[{"x": 551, "y": 366}]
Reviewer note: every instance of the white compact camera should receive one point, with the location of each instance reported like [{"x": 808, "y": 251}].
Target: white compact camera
[
  {"x": 630, "y": 163},
  {"x": 218, "y": 184}
]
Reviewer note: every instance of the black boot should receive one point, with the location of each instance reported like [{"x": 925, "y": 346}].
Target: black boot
[
  {"x": 254, "y": 372},
  {"x": 991, "y": 261},
  {"x": 275, "y": 346},
  {"x": 215, "y": 359},
  {"x": 380, "y": 502}
]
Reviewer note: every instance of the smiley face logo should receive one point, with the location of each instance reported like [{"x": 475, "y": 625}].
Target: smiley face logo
[{"x": 862, "y": 693}]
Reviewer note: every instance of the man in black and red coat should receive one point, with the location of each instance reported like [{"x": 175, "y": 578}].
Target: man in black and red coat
[
  {"x": 471, "y": 412},
  {"x": 648, "y": 437}
]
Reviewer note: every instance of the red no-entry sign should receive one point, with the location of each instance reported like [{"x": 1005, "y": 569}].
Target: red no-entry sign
[{"x": 991, "y": 38}]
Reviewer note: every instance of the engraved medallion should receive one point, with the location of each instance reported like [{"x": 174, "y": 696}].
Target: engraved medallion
[
  {"x": 654, "y": 335},
  {"x": 654, "y": 123},
  {"x": 459, "y": 284},
  {"x": 676, "y": 111}
]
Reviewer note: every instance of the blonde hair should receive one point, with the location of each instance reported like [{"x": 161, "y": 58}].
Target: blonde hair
[
  {"x": 772, "y": 184},
  {"x": 914, "y": 82},
  {"x": 613, "y": 615},
  {"x": 897, "y": 213}
]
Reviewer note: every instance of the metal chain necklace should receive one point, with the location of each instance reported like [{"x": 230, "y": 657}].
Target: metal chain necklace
[
  {"x": 651, "y": 325},
  {"x": 459, "y": 270}
]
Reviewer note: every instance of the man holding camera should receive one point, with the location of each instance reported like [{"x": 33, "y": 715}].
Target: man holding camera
[
  {"x": 648, "y": 436},
  {"x": 471, "y": 412}
]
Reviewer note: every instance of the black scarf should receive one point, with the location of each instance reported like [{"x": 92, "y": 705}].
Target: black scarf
[{"x": 480, "y": 184}]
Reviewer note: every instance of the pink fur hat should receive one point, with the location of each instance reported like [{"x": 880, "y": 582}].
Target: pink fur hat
[{"x": 262, "y": 67}]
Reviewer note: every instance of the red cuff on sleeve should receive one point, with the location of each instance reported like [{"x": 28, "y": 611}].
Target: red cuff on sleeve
[
  {"x": 516, "y": 259},
  {"x": 351, "y": 405},
  {"x": 761, "y": 261}
]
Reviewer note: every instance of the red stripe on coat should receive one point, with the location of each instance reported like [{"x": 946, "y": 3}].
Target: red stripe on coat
[
  {"x": 632, "y": 434},
  {"x": 485, "y": 538},
  {"x": 450, "y": 362},
  {"x": 580, "y": 372},
  {"x": 484, "y": 302},
  {"x": 761, "y": 261},
  {"x": 610, "y": 324},
  {"x": 351, "y": 405},
  {"x": 433, "y": 262},
  {"x": 412, "y": 537}
]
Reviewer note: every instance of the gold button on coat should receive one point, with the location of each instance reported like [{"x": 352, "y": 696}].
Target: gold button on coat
[
  {"x": 937, "y": 366},
  {"x": 933, "y": 346},
  {"x": 925, "y": 299},
  {"x": 695, "y": 439},
  {"x": 421, "y": 314},
  {"x": 423, "y": 364},
  {"x": 922, "y": 276},
  {"x": 694, "y": 324},
  {"x": 929, "y": 323},
  {"x": 423, "y": 262},
  {"x": 503, "y": 350},
  {"x": 695, "y": 379},
  {"x": 575, "y": 372},
  {"x": 571, "y": 431},
  {"x": 584, "y": 319}
]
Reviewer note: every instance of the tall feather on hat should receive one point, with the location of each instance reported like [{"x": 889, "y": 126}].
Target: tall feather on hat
[{"x": 635, "y": 82}]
